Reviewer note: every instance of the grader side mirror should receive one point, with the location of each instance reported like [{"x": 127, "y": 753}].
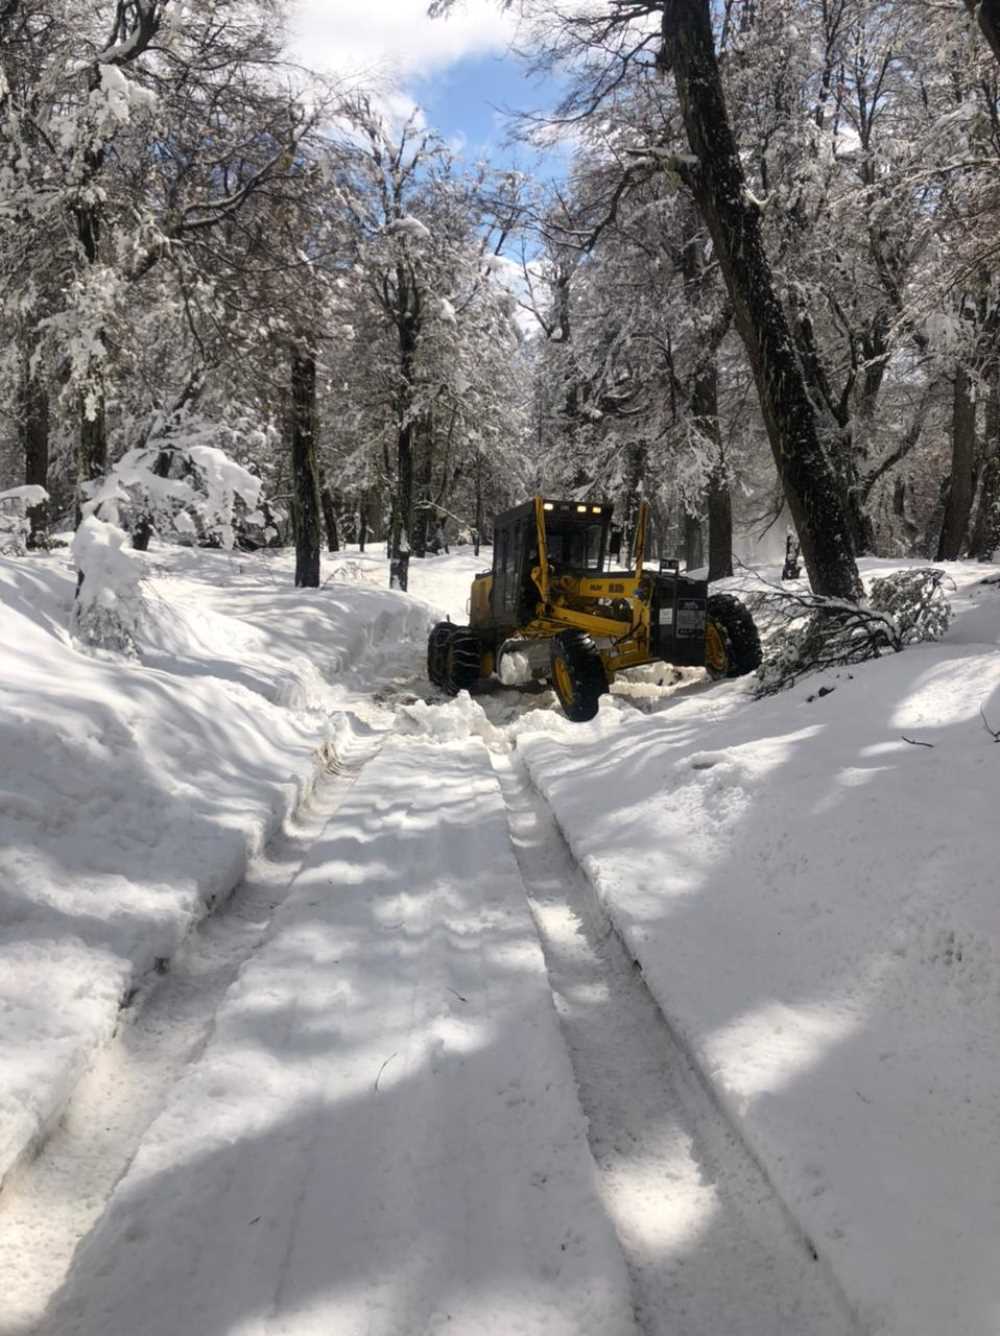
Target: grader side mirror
[{"x": 615, "y": 548}]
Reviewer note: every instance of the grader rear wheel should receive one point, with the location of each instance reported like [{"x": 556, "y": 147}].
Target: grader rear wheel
[
  {"x": 732, "y": 645},
  {"x": 461, "y": 660}
]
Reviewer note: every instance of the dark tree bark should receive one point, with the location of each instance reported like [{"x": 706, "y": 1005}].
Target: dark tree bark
[
  {"x": 478, "y": 535},
  {"x": 812, "y": 488},
  {"x": 306, "y": 508},
  {"x": 35, "y": 418},
  {"x": 958, "y": 505},
  {"x": 636, "y": 453},
  {"x": 694, "y": 541},
  {"x": 363, "y": 521},
  {"x": 329, "y": 509},
  {"x": 987, "y": 12},
  {"x": 329, "y": 519},
  {"x": 402, "y": 511},
  {"x": 720, "y": 526},
  {"x": 423, "y": 476}
]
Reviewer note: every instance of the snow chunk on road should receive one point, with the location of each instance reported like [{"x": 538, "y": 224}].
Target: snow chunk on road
[{"x": 383, "y": 1134}]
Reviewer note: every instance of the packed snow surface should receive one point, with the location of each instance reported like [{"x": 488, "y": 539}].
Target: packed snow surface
[{"x": 384, "y": 1134}]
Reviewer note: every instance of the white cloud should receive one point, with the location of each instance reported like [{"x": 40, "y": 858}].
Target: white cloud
[{"x": 394, "y": 38}]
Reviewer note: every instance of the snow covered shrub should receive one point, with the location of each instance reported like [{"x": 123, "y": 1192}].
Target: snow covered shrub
[
  {"x": 108, "y": 605},
  {"x": 916, "y": 601},
  {"x": 813, "y": 634},
  {"x": 178, "y": 484},
  {"x": 15, "y": 527}
]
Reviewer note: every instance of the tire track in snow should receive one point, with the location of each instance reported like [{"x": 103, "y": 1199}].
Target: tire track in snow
[
  {"x": 710, "y": 1248},
  {"x": 51, "y": 1203}
]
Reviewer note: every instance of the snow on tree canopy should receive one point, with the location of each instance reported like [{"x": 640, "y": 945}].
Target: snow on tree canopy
[
  {"x": 408, "y": 226},
  {"x": 197, "y": 495}
]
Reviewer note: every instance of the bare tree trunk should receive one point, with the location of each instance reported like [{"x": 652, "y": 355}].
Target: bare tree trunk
[
  {"x": 402, "y": 509},
  {"x": 306, "y": 508},
  {"x": 694, "y": 540},
  {"x": 35, "y": 417},
  {"x": 720, "y": 526},
  {"x": 705, "y": 411},
  {"x": 958, "y": 506},
  {"x": 423, "y": 478},
  {"x": 636, "y": 453},
  {"x": 329, "y": 515},
  {"x": 92, "y": 444},
  {"x": 811, "y": 486},
  {"x": 986, "y": 531}
]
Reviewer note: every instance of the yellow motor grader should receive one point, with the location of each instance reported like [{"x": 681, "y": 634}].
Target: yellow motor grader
[{"x": 554, "y": 608}]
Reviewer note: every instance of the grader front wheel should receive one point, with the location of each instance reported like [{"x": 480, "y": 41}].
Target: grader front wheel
[{"x": 577, "y": 674}]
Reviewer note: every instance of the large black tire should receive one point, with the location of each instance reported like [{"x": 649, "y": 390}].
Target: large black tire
[
  {"x": 461, "y": 659},
  {"x": 578, "y": 676},
  {"x": 732, "y": 645},
  {"x": 436, "y": 644}
]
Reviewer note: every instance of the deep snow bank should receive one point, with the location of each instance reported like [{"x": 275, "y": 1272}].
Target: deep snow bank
[
  {"x": 132, "y": 795},
  {"x": 813, "y": 901}
]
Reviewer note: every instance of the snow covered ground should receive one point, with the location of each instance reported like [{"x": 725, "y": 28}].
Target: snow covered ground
[
  {"x": 813, "y": 902},
  {"x": 132, "y": 796},
  {"x": 384, "y": 1131}
]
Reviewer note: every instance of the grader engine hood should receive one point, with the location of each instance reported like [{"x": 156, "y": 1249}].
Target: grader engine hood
[{"x": 677, "y": 619}]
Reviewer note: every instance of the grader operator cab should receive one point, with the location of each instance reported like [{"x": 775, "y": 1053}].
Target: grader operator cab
[{"x": 555, "y": 607}]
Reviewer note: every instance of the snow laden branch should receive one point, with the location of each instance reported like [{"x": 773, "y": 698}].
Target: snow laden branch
[
  {"x": 810, "y": 633},
  {"x": 177, "y": 487}
]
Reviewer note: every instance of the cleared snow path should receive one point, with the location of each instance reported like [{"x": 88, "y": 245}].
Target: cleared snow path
[
  {"x": 710, "y": 1249},
  {"x": 383, "y": 1133},
  {"x": 50, "y": 1204}
]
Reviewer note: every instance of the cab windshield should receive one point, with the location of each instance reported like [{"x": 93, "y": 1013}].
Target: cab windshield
[{"x": 577, "y": 547}]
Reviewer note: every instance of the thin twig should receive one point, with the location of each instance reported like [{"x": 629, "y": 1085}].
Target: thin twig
[
  {"x": 993, "y": 732},
  {"x": 914, "y": 743},
  {"x": 382, "y": 1069}
]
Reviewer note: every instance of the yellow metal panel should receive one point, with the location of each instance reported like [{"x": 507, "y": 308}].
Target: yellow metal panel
[{"x": 479, "y": 602}]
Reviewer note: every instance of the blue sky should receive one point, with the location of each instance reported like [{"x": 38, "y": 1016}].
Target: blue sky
[
  {"x": 458, "y": 70},
  {"x": 467, "y": 99}
]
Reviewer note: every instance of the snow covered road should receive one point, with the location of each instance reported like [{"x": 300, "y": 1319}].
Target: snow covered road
[
  {"x": 410, "y": 1081},
  {"x": 383, "y": 1134}
]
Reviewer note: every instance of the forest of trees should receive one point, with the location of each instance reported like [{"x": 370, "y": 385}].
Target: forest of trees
[{"x": 763, "y": 293}]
